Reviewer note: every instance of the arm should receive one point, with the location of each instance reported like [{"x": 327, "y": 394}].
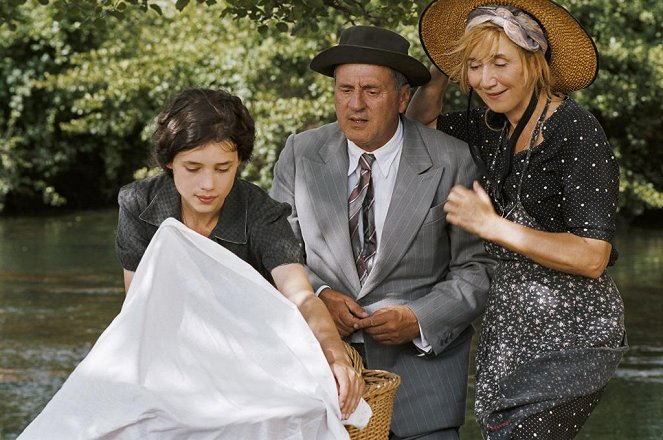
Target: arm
[
  {"x": 128, "y": 277},
  {"x": 292, "y": 282},
  {"x": 589, "y": 216},
  {"x": 426, "y": 103},
  {"x": 473, "y": 211}
]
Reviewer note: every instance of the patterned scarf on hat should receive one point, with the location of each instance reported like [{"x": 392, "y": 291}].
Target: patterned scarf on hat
[{"x": 522, "y": 29}]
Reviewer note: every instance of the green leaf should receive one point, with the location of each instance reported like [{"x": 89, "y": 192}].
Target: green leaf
[
  {"x": 281, "y": 27},
  {"x": 117, "y": 14},
  {"x": 181, "y": 4},
  {"x": 156, "y": 8}
]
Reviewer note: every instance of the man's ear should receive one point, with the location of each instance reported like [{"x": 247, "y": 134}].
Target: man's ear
[{"x": 404, "y": 97}]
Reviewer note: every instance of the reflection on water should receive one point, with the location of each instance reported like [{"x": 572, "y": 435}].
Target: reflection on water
[{"x": 60, "y": 287}]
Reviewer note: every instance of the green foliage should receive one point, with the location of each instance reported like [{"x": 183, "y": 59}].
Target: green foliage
[
  {"x": 83, "y": 79},
  {"x": 81, "y": 98},
  {"x": 628, "y": 93}
]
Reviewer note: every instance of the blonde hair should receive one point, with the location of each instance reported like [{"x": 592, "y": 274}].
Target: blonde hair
[{"x": 483, "y": 40}]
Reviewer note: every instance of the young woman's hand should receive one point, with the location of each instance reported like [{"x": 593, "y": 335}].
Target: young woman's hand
[{"x": 350, "y": 386}]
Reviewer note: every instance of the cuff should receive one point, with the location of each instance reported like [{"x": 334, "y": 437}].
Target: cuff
[
  {"x": 321, "y": 288},
  {"x": 422, "y": 344}
]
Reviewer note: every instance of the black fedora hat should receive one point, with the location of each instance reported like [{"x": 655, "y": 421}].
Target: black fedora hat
[{"x": 372, "y": 45}]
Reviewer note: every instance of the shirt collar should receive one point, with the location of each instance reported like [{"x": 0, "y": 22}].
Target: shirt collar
[
  {"x": 232, "y": 224},
  {"x": 384, "y": 156}
]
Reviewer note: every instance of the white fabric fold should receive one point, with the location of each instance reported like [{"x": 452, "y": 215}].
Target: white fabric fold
[{"x": 203, "y": 348}]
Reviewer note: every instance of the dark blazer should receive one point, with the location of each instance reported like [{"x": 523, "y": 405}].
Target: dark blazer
[{"x": 438, "y": 270}]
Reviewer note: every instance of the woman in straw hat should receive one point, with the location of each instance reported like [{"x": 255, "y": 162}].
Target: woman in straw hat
[{"x": 553, "y": 331}]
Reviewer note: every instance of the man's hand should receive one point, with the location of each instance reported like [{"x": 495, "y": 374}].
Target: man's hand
[
  {"x": 344, "y": 310},
  {"x": 391, "y": 325}
]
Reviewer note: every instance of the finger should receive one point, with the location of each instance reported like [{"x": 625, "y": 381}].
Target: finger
[
  {"x": 383, "y": 316},
  {"x": 343, "y": 385},
  {"x": 459, "y": 191},
  {"x": 379, "y": 332},
  {"x": 344, "y": 329},
  {"x": 356, "y": 309},
  {"x": 348, "y": 319},
  {"x": 355, "y": 396},
  {"x": 481, "y": 193},
  {"x": 363, "y": 323}
]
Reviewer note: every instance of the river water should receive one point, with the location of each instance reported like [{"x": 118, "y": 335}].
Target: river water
[{"x": 60, "y": 286}]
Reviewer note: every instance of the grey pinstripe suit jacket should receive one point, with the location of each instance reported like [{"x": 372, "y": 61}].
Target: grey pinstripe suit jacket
[{"x": 441, "y": 272}]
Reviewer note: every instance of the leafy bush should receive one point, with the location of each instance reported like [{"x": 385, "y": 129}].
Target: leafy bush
[{"x": 80, "y": 87}]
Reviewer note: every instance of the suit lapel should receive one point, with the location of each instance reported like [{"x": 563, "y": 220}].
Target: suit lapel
[
  {"x": 415, "y": 187},
  {"x": 326, "y": 174}
]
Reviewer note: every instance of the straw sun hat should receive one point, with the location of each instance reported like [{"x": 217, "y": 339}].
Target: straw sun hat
[{"x": 573, "y": 55}]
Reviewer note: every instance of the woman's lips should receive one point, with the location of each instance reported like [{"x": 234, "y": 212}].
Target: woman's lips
[
  {"x": 206, "y": 199},
  {"x": 495, "y": 95}
]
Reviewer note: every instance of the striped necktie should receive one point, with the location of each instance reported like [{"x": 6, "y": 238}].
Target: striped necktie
[{"x": 361, "y": 203}]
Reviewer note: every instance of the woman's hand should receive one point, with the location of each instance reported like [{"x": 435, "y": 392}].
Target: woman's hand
[
  {"x": 350, "y": 386},
  {"x": 471, "y": 209}
]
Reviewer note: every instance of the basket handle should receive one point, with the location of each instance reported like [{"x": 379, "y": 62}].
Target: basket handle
[{"x": 355, "y": 358}]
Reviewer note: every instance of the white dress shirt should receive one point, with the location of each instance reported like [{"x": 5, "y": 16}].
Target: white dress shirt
[{"x": 383, "y": 175}]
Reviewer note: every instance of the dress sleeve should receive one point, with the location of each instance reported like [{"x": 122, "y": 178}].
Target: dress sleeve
[
  {"x": 453, "y": 124},
  {"x": 271, "y": 235},
  {"x": 473, "y": 131},
  {"x": 131, "y": 239},
  {"x": 591, "y": 184}
]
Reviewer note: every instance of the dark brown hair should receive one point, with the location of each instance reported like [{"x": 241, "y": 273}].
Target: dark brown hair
[{"x": 196, "y": 117}]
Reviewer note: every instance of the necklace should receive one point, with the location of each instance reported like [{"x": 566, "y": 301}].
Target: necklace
[{"x": 507, "y": 148}]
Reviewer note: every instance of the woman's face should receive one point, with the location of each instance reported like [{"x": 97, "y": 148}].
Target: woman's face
[
  {"x": 499, "y": 79},
  {"x": 204, "y": 177}
]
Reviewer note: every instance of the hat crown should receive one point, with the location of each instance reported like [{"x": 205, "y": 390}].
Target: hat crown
[
  {"x": 374, "y": 37},
  {"x": 372, "y": 45}
]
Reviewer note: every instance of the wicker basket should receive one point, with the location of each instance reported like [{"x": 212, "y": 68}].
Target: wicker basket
[{"x": 379, "y": 393}]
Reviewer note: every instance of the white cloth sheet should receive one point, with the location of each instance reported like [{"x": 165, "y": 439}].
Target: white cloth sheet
[{"x": 203, "y": 348}]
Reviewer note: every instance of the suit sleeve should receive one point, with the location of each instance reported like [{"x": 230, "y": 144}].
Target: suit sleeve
[
  {"x": 460, "y": 297},
  {"x": 283, "y": 190}
]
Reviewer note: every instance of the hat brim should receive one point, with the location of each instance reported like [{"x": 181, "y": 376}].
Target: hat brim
[
  {"x": 574, "y": 59},
  {"x": 326, "y": 61}
]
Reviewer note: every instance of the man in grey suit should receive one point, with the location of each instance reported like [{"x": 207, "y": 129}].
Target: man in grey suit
[{"x": 367, "y": 194}]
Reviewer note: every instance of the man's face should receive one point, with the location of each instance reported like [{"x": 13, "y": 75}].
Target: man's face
[{"x": 368, "y": 103}]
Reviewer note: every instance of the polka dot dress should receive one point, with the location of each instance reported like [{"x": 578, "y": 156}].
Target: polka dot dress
[
  {"x": 567, "y": 183},
  {"x": 560, "y": 423},
  {"x": 572, "y": 181}
]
